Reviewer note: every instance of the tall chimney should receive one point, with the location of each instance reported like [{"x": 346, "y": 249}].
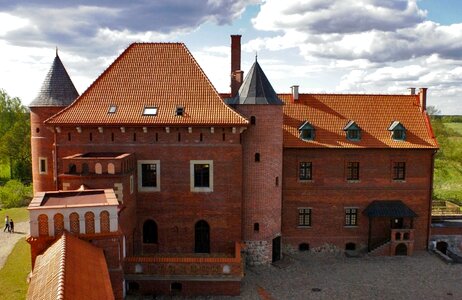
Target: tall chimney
[
  {"x": 236, "y": 74},
  {"x": 294, "y": 92},
  {"x": 423, "y": 99}
]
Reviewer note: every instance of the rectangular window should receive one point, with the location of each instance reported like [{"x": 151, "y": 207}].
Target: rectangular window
[
  {"x": 399, "y": 171},
  {"x": 42, "y": 165},
  {"x": 201, "y": 175},
  {"x": 305, "y": 171},
  {"x": 150, "y": 111},
  {"x": 304, "y": 217},
  {"x": 351, "y": 217},
  {"x": 148, "y": 175},
  {"x": 132, "y": 183},
  {"x": 353, "y": 171}
]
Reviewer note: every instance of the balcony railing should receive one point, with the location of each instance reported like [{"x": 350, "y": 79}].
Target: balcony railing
[{"x": 187, "y": 265}]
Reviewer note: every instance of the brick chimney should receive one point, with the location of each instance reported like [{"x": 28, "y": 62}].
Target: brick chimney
[
  {"x": 237, "y": 76},
  {"x": 423, "y": 99}
]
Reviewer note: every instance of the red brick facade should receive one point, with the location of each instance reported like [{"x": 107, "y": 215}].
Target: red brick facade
[{"x": 176, "y": 237}]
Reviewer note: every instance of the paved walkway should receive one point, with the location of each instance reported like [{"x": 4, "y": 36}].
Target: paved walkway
[{"x": 8, "y": 240}]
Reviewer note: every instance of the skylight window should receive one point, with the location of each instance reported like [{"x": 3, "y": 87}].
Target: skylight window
[
  {"x": 150, "y": 111},
  {"x": 179, "y": 111},
  {"x": 112, "y": 109}
]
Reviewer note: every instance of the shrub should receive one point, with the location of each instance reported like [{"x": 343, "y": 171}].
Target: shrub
[{"x": 15, "y": 194}]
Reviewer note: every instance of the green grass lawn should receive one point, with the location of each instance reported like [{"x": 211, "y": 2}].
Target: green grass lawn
[
  {"x": 13, "y": 283},
  {"x": 455, "y": 126},
  {"x": 18, "y": 214}
]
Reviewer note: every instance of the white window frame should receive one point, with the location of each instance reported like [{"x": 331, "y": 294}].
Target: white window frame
[
  {"x": 142, "y": 188},
  {"x": 191, "y": 168},
  {"x": 40, "y": 165},
  {"x": 345, "y": 214}
]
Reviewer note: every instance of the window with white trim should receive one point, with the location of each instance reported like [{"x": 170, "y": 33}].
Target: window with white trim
[
  {"x": 43, "y": 166},
  {"x": 148, "y": 175},
  {"x": 201, "y": 175},
  {"x": 351, "y": 216}
]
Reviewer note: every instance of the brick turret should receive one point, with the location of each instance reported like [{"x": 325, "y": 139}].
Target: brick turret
[
  {"x": 262, "y": 166},
  {"x": 56, "y": 93}
]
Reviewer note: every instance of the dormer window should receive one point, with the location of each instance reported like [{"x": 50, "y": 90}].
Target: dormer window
[
  {"x": 112, "y": 109},
  {"x": 353, "y": 131},
  {"x": 150, "y": 111},
  {"x": 179, "y": 111},
  {"x": 306, "y": 131},
  {"x": 398, "y": 131}
]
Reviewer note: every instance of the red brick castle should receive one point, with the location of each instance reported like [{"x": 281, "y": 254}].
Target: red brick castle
[{"x": 168, "y": 186}]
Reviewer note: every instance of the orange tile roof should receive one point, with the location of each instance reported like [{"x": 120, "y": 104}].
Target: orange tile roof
[
  {"x": 329, "y": 113},
  {"x": 162, "y": 75},
  {"x": 70, "y": 269}
]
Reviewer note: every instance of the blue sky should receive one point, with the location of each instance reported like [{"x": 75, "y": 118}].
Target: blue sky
[{"x": 324, "y": 46}]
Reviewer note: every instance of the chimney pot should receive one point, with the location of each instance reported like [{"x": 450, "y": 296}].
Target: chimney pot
[
  {"x": 294, "y": 92},
  {"x": 412, "y": 90}
]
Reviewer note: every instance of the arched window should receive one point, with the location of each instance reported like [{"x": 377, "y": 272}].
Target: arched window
[
  {"x": 98, "y": 168},
  {"x": 350, "y": 246},
  {"x": 89, "y": 222},
  {"x": 72, "y": 169},
  {"x": 110, "y": 168},
  {"x": 202, "y": 237},
  {"x": 43, "y": 225},
  {"x": 150, "y": 232},
  {"x": 104, "y": 221},
  {"x": 75, "y": 223},
  {"x": 58, "y": 221}
]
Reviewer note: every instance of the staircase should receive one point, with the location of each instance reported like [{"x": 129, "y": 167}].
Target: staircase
[{"x": 382, "y": 249}]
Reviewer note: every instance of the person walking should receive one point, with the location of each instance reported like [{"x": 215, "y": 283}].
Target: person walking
[
  {"x": 7, "y": 224},
  {"x": 11, "y": 226}
]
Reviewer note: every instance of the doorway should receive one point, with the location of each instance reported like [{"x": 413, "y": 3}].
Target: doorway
[
  {"x": 276, "y": 248},
  {"x": 202, "y": 237},
  {"x": 401, "y": 249}
]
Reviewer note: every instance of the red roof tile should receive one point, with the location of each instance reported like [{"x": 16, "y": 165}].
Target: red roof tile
[
  {"x": 67, "y": 270},
  {"x": 329, "y": 113},
  {"x": 162, "y": 75}
]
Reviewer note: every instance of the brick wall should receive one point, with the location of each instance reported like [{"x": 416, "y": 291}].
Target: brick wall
[
  {"x": 328, "y": 193},
  {"x": 174, "y": 208}
]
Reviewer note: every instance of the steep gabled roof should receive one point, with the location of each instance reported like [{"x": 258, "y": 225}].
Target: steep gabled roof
[
  {"x": 256, "y": 89},
  {"x": 154, "y": 75},
  {"x": 57, "y": 88},
  {"x": 70, "y": 269},
  {"x": 329, "y": 113}
]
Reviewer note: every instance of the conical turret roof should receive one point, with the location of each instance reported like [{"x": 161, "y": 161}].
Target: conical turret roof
[
  {"x": 57, "y": 88},
  {"x": 256, "y": 89}
]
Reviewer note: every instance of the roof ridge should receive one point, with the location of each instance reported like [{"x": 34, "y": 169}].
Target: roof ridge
[
  {"x": 353, "y": 94},
  {"x": 62, "y": 269},
  {"x": 211, "y": 85}
]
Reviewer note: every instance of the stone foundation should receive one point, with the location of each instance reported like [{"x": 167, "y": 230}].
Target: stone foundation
[{"x": 258, "y": 252}]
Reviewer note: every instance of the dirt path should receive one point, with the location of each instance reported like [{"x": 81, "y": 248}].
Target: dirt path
[{"x": 8, "y": 240}]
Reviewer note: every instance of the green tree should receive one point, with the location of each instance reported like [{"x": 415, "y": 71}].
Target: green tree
[{"x": 15, "y": 136}]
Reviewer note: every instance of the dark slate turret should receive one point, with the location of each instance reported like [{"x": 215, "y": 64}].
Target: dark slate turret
[
  {"x": 256, "y": 89},
  {"x": 57, "y": 89}
]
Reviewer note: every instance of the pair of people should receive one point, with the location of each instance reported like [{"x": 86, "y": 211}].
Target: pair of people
[{"x": 9, "y": 225}]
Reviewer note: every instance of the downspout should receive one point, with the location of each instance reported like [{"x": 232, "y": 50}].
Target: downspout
[
  {"x": 430, "y": 196},
  {"x": 55, "y": 162}
]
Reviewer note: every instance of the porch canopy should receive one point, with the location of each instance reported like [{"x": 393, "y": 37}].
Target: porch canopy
[{"x": 389, "y": 208}]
